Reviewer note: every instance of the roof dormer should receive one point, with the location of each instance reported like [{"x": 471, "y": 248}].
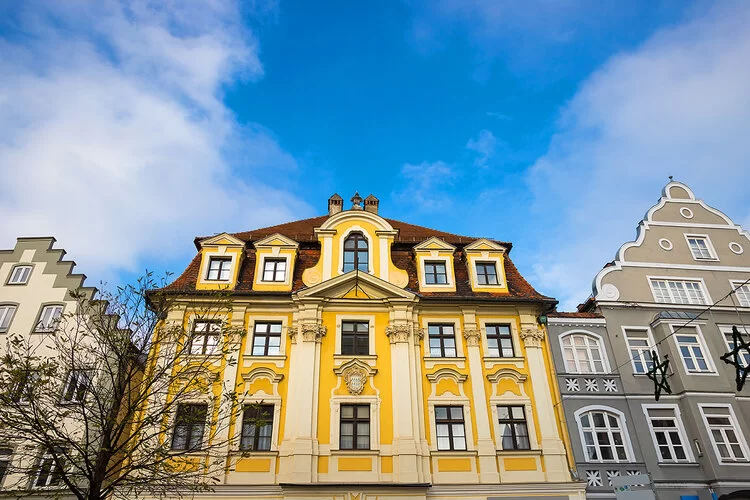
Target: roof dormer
[
  {"x": 486, "y": 262},
  {"x": 435, "y": 266},
  {"x": 274, "y": 263},
  {"x": 221, "y": 257}
]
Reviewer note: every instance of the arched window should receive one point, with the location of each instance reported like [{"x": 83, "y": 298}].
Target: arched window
[
  {"x": 355, "y": 253},
  {"x": 603, "y": 435},
  {"x": 583, "y": 354}
]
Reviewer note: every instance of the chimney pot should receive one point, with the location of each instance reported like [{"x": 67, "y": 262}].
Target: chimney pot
[{"x": 371, "y": 204}]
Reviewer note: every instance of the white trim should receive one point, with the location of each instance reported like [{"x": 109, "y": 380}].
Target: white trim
[
  {"x": 252, "y": 320},
  {"x": 701, "y": 343},
  {"x": 423, "y": 259},
  {"x": 513, "y": 400},
  {"x": 686, "y": 212},
  {"x": 690, "y": 458},
  {"x": 709, "y": 246},
  {"x": 602, "y": 348},
  {"x": 734, "y": 285},
  {"x": 665, "y": 244},
  {"x": 651, "y": 344},
  {"x": 335, "y": 429},
  {"x": 450, "y": 400},
  {"x": 736, "y": 248},
  {"x": 704, "y": 289},
  {"x": 265, "y": 400},
  {"x": 736, "y": 427},
  {"x": 630, "y": 455},
  {"x": 692, "y": 267},
  {"x": 370, "y": 318},
  {"x": 486, "y": 259},
  {"x": 370, "y": 253},
  {"x": 223, "y": 254},
  {"x": 565, "y": 321},
  {"x": 500, "y": 320}
]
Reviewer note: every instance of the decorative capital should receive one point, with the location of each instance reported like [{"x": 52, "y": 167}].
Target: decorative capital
[
  {"x": 397, "y": 333},
  {"x": 532, "y": 336},
  {"x": 472, "y": 337},
  {"x": 312, "y": 332},
  {"x": 418, "y": 334}
]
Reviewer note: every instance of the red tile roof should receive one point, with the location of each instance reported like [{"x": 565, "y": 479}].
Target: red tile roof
[
  {"x": 409, "y": 235},
  {"x": 558, "y": 314}
]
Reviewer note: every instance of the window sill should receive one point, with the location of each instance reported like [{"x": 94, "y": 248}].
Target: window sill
[
  {"x": 453, "y": 453},
  {"x": 354, "y": 452},
  {"x": 200, "y": 357},
  {"x": 679, "y": 464},
  {"x": 431, "y": 362},
  {"x": 253, "y": 453},
  {"x": 745, "y": 463},
  {"x": 491, "y": 362},
  {"x": 529, "y": 453},
  {"x": 265, "y": 357},
  {"x": 188, "y": 453},
  {"x": 340, "y": 359}
]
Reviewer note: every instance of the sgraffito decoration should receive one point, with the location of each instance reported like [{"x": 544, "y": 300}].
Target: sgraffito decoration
[
  {"x": 658, "y": 373},
  {"x": 737, "y": 357}
]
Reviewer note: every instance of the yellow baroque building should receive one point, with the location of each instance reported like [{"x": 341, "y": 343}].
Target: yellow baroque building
[{"x": 392, "y": 361}]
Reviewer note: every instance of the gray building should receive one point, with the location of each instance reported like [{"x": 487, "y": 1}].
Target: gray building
[{"x": 678, "y": 289}]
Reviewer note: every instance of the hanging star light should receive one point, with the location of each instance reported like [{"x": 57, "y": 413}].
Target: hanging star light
[
  {"x": 658, "y": 373},
  {"x": 735, "y": 358}
]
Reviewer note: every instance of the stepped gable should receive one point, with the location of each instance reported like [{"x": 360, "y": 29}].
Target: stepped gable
[{"x": 303, "y": 231}]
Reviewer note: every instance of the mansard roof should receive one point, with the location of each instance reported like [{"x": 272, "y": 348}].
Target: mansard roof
[{"x": 409, "y": 236}]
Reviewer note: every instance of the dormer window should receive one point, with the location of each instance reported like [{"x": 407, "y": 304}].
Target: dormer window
[
  {"x": 486, "y": 273},
  {"x": 355, "y": 253},
  {"x": 274, "y": 270},
  {"x": 435, "y": 273},
  {"x": 218, "y": 268}
]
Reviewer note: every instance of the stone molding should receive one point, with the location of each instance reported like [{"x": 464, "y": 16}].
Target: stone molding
[
  {"x": 472, "y": 337},
  {"x": 532, "y": 336},
  {"x": 310, "y": 332},
  {"x": 397, "y": 333}
]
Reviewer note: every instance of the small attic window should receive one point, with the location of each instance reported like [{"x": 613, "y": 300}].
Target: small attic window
[
  {"x": 19, "y": 275},
  {"x": 218, "y": 268}
]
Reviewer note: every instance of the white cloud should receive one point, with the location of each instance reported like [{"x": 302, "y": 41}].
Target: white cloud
[
  {"x": 484, "y": 145},
  {"x": 426, "y": 185},
  {"x": 113, "y": 134},
  {"x": 678, "y": 105}
]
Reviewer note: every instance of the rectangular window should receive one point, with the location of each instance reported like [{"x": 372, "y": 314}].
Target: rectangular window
[
  {"x": 640, "y": 347},
  {"x": 742, "y": 292},
  {"x": 667, "y": 434},
  {"x": 6, "y": 316},
  {"x": 188, "y": 428},
  {"x": 678, "y": 291},
  {"x": 48, "y": 318},
  {"x": 513, "y": 429},
  {"x": 19, "y": 275},
  {"x": 435, "y": 273},
  {"x": 725, "y": 434},
  {"x": 257, "y": 428},
  {"x": 76, "y": 387},
  {"x": 442, "y": 341},
  {"x": 355, "y": 337},
  {"x": 218, "y": 268},
  {"x": 355, "y": 427},
  {"x": 728, "y": 336},
  {"x": 6, "y": 455},
  {"x": 274, "y": 270},
  {"x": 449, "y": 427},
  {"x": 486, "y": 273},
  {"x": 50, "y": 469},
  {"x": 700, "y": 248},
  {"x": 23, "y": 388},
  {"x": 692, "y": 350},
  {"x": 205, "y": 338},
  {"x": 499, "y": 341},
  {"x": 267, "y": 339}
]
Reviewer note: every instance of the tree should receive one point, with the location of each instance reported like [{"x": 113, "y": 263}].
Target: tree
[{"x": 95, "y": 406}]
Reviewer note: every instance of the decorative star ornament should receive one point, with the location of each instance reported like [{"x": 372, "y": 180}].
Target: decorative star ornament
[
  {"x": 658, "y": 373},
  {"x": 735, "y": 358}
]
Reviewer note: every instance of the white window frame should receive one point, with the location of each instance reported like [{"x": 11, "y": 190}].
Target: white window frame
[
  {"x": 735, "y": 426},
  {"x": 206, "y": 425},
  {"x": 700, "y": 281},
  {"x": 40, "y": 327},
  {"x": 450, "y": 400},
  {"x": 423, "y": 259},
  {"x": 370, "y": 319},
  {"x": 501, "y": 320},
  {"x": 456, "y": 339},
  {"x": 483, "y": 259},
  {"x": 222, "y": 253},
  {"x": 251, "y": 320},
  {"x": 689, "y": 457},
  {"x": 651, "y": 346},
  {"x": 709, "y": 246},
  {"x": 599, "y": 339},
  {"x": 220, "y": 334},
  {"x": 7, "y": 313},
  {"x": 701, "y": 343},
  {"x": 25, "y": 277},
  {"x": 45, "y": 456},
  {"x": 629, "y": 455},
  {"x": 70, "y": 381},
  {"x": 726, "y": 331},
  {"x": 743, "y": 295},
  {"x": 274, "y": 401},
  {"x": 220, "y": 259},
  {"x": 287, "y": 273}
]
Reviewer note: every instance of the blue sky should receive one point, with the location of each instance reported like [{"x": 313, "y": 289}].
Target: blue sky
[{"x": 127, "y": 128}]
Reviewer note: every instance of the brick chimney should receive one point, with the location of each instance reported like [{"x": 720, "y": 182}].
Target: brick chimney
[
  {"x": 335, "y": 204},
  {"x": 371, "y": 204}
]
